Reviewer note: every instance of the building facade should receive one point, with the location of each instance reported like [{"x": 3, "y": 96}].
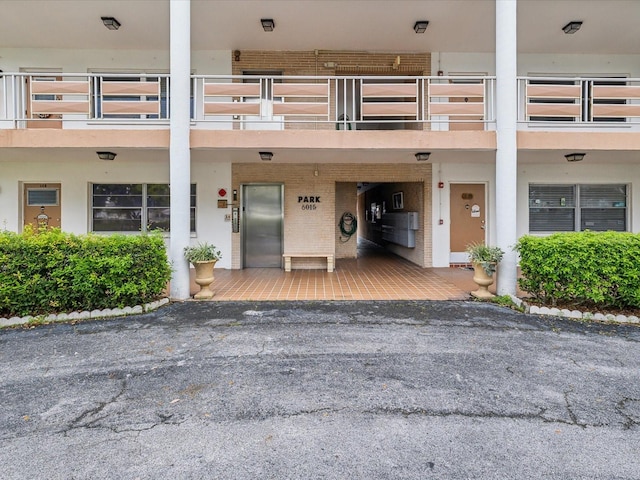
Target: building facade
[{"x": 298, "y": 127}]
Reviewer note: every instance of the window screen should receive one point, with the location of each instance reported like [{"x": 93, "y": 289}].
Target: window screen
[
  {"x": 551, "y": 208},
  {"x": 135, "y": 207},
  {"x": 603, "y": 207},
  {"x": 566, "y": 208},
  {"x": 42, "y": 197}
]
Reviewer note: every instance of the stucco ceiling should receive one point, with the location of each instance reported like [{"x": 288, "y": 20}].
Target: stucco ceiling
[{"x": 610, "y": 27}]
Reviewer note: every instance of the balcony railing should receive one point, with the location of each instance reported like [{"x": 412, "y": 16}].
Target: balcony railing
[
  {"x": 252, "y": 102},
  {"x": 66, "y": 100},
  {"x": 348, "y": 103},
  {"x": 600, "y": 102},
  {"x": 33, "y": 100}
]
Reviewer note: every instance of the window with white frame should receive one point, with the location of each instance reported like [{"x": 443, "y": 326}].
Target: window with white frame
[
  {"x": 568, "y": 208},
  {"x": 133, "y": 207}
]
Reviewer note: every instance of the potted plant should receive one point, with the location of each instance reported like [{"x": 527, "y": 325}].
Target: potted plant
[
  {"x": 485, "y": 261},
  {"x": 203, "y": 257}
]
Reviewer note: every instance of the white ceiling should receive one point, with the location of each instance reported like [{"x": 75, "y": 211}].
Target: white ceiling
[{"x": 610, "y": 26}]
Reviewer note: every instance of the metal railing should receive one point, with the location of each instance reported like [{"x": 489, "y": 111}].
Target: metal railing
[
  {"x": 349, "y": 103},
  {"x": 47, "y": 98},
  {"x": 573, "y": 101},
  {"x": 65, "y": 100}
]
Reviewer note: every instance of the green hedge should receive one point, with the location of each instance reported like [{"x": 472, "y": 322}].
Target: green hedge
[
  {"x": 51, "y": 271},
  {"x": 586, "y": 268}
]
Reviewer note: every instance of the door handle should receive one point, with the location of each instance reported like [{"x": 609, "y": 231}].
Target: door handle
[{"x": 482, "y": 225}]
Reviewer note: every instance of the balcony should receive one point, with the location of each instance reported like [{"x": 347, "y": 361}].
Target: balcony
[
  {"x": 72, "y": 101},
  {"x": 226, "y": 102},
  {"x": 554, "y": 103}
]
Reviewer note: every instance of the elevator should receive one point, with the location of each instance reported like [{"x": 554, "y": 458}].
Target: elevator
[{"x": 262, "y": 225}]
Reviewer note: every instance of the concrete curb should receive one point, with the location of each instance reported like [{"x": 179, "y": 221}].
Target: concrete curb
[
  {"x": 85, "y": 315},
  {"x": 576, "y": 314}
]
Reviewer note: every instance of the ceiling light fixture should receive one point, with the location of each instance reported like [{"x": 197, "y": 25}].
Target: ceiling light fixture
[
  {"x": 420, "y": 26},
  {"x": 422, "y": 156},
  {"x": 106, "y": 155},
  {"x": 572, "y": 27},
  {"x": 266, "y": 156},
  {"x": 111, "y": 23},
  {"x": 267, "y": 24},
  {"x": 574, "y": 157}
]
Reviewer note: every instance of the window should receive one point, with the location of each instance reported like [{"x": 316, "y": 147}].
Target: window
[
  {"x": 130, "y": 207},
  {"x": 161, "y": 81},
  {"x": 607, "y": 101},
  {"x": 568, "y": 208},
  {"x": 554, "y": 101},
  {"x": 43, "y": 197}
]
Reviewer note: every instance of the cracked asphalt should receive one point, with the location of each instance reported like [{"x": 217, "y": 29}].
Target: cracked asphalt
[{"x": 321, "y": 390}]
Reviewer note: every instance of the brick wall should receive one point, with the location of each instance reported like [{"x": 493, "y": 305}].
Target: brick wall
[
  {"x": 346, "y": 201},
  {"x": 344, "y": 63},
  {"x": 330, "y": 64}
]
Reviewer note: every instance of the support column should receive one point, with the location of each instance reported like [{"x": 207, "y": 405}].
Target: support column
[
  {"x": 179, "y": 147},
  {"x": 507, "y": 149}
]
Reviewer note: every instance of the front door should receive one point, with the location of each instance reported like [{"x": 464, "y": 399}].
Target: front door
[
  {"x": 467, "y": 205},
  {"x": 43, "y": 120},
  {"x": 262, "y": 220},
  {"x": 41, "y": 205}
]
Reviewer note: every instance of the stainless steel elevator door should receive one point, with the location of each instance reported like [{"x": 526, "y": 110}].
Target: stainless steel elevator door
[{"x": 263, "y": 221}]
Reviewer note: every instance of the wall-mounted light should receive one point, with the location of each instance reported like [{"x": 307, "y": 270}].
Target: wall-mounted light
[
  {"x": 420, "y": 26},
  {"x": 267, "y": 24},
  {"x": 574, "y": 157},
  {"x": 106, "y": 155},
  {"x": 111, "y": 23},
  {"x": 572, "y": 27},
  {"x": 266, "y": 156},
  {"x": 422, "y": 156},
  {"x": 236, "y": 55}
]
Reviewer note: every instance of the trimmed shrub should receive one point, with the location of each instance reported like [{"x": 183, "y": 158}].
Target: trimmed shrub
[
  {"x": 600, "y": 269},
  {"x": 51, "y": 271}
]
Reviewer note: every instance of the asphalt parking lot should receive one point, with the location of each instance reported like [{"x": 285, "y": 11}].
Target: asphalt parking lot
[{"x": 321, "y": 390}]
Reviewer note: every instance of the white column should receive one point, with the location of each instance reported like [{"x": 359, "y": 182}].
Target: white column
[
  {"x": 179, "y": 148},
  {"x": 507, "y": 150}
]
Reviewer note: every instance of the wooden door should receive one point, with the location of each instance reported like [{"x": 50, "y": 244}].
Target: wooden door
[
  {"x": 40, "y": 120},
  {"x": 42, "y": 205},
  {"x": 467, "y": 211}
]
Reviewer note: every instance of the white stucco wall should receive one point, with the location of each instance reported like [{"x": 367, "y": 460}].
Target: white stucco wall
[
  {"x": 449, "y": 173},
  {"x": 80, "y": 61},
  {"x": 563, "y": 173},
  {"x": 77, "y": 174},
  {"x": 574, "y": 173},
  {"x": 538, "y": 64}
]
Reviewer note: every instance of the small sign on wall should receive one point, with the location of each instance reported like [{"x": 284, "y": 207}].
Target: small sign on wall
[
  {"x": 222, "y": 204},
  {"x": 309, "y": 202},
  {"x": 475, "y": 211}
]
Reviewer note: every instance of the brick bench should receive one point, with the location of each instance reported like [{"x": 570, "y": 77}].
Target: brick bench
[{"x": 288, "y": 256}]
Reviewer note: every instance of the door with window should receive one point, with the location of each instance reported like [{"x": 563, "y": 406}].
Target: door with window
[
  {"x": 468, "y": 218},
  {"x": 41, "y": 205}
]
